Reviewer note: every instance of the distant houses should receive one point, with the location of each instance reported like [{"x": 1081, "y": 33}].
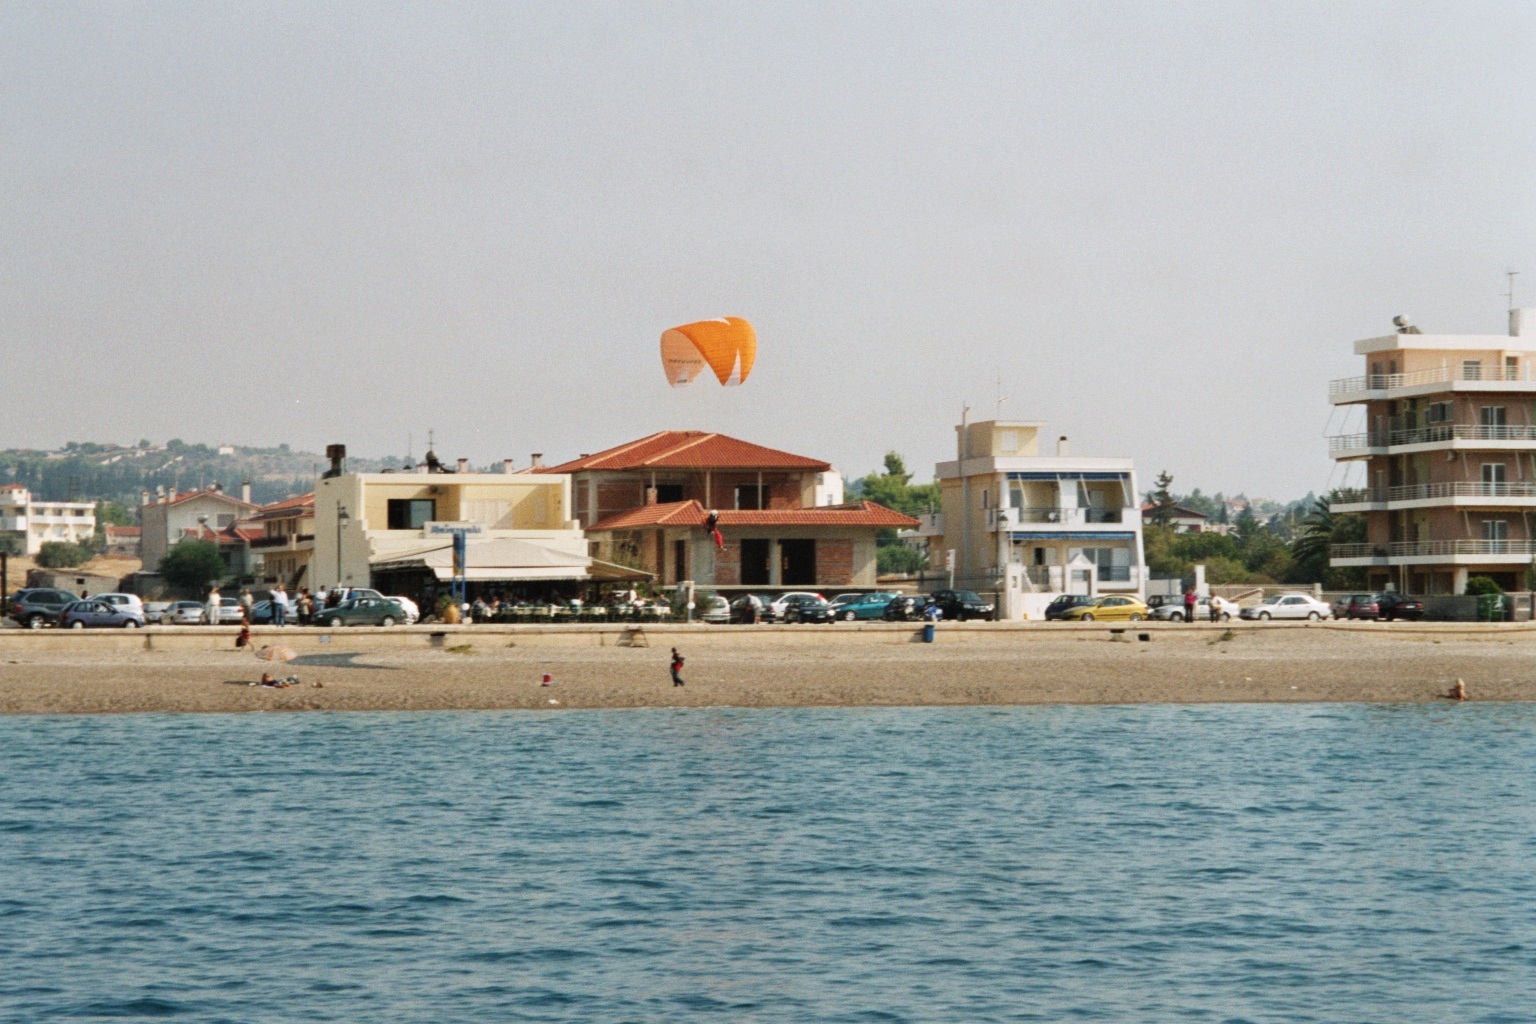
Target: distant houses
[{"x": 33, "y": 523}]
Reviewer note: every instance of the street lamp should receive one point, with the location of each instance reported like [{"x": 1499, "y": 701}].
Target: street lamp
[{"x": 341, "y": 520}]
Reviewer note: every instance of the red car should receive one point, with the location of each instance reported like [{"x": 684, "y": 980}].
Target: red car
[{"x": 1356, "y": 606}]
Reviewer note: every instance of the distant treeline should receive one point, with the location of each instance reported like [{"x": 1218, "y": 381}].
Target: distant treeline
[{"x": 92, "y": 472}]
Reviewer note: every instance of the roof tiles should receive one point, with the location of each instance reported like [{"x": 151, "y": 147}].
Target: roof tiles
[{"x": 689, "y": 449}]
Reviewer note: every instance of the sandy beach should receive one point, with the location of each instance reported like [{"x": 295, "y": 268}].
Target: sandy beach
[{"x": 484, "y": 668}]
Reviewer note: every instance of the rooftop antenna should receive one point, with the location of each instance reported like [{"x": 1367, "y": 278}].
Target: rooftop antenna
[
  {"x": 1000, "y": 398},
  {"x": 1510, "y": 294}
]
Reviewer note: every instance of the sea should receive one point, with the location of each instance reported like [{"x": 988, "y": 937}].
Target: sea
[{"x": 1222, "y": 863}]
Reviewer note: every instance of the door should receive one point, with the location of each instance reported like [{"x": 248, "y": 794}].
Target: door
[
  {"x": 754, "y": 562},
  {"x": 797, "y": 563}
]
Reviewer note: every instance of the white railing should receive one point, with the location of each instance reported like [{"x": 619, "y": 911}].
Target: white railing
[
  {"x": 1433, "y": 548},
  {"x": 1444, "y": 374},
  {"x": 1013, "y": 518},
  {"x": 1431, "y": 435},
  {"x": 1461, "y": 489}
]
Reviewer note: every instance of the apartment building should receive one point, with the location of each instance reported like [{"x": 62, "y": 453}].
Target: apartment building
[
  {"x": 1063, "y": 523},
  {"x": 34, "y": 523},
  {"x": 287, "y": 540},
  {"x": 1446, "y": 462}
]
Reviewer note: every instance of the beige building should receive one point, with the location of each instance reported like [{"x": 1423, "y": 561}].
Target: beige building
[
  {"x": 1445, "y": 467},
  {"x": 1016, "y": 520},
  {"x": 35, "y": 523},
  {"x": 286, "y": 542},
  {"x": 395, "y": 531},
  {"x": 166, "y": 519}
]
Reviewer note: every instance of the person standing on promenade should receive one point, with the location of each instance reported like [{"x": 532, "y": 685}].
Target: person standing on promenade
[
  {"x": 1189, "y": 604},
  {"x": 246, "y": 602},
  {"x": 303, "y": 606},
  {"x": 677, "y": 668},
  {"x": 279, "y": 606},
  {"x": 211, "y": 610},
  {"x": 1215, "y": 608}
]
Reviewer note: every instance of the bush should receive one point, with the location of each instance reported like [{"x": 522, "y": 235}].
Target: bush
[
  {"x": 55, "y": 554},
  {"x": 12, "y": 545},
  {"x": 1477, "y": 586},
  {"x": 192, "y": 565}
]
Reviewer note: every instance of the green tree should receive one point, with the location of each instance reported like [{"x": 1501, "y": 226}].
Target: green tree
[
  {"x": 1313, "y": 541},
  {"x": 894, "y": 489},
  {"x": 57, "y": 554},
  {"x": 1480, "y": 586},
  {"x": 1163, "y": 503},
  {"x": 110, "y": 513},
  {"x": 192, "y": 565},
  {"x": 12, "y": 545}
]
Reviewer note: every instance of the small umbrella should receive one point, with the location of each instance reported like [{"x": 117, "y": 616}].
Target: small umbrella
[{"x": 276, "y": 654}]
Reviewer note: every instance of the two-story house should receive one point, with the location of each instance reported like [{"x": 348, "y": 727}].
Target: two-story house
[
  {"x": 169, "y": 517},
  {"x": 649, "y": 502}
]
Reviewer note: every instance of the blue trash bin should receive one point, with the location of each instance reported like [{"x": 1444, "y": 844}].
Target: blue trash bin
[{"x": 928, "y": 631}]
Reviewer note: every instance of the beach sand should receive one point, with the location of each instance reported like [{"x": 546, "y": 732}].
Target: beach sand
[{"x": 479, "y": 668}]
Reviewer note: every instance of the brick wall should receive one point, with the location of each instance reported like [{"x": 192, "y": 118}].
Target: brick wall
[
  {"x": 834, "y": 563},
  {"x": 728, "y": 564}
]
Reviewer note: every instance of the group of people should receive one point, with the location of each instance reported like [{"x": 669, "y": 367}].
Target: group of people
[
  {"x": 1192, "y": 600},
  {"x": 305, "y": 607}
]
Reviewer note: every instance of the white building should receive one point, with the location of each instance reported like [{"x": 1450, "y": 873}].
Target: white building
[
  {"x": 166, "y": 519},
  {"x": 35, "y": 523},
  {"x": 1028, "y": 527}
]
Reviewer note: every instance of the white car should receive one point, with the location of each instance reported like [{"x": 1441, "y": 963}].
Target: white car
[
  {"x": 412, "y": 613},
  {"x": 157, "y": 612},
  {"x": 1171, "y": 609},
  {"x": 127, "y": 602},
  {"x": 777, "y": 606},
  {"x": 183, "y": 613},
  {"x": 1288, "y": 606}
]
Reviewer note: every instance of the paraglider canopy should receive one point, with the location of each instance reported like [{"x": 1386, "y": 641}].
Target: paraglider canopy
[{"x": 728, "y": 346}]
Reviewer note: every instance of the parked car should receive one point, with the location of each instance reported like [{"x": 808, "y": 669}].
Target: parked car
[
  {"x": 363, "y": 611},
  {"x": 712, "y": 608},
  {"x": 865, "y": 606},
  {"x": 807, "y": 608},
  {"x": 1355, "y": 606},
  {"x": 962, "y": 604},
  {"x": 1111, "y": 608},
  {"x": 1066, "y": 602},
  {"x": 778, "y": 604},
  {"x": 184, "y": 613},
  {"x": 98, "y": 614},
  {"x": 230, "y": 612},
  {"x": 1391, "y": 606},
  {"x": 757, "y": 602},
  {"x": 906, "y": 608},
  {"x": 36, "y": 607},
  {"x": 1288, "y": 606},
  {"x": 1171, "y": 609},
  {"x": 154, "y": 611},
  {"x": 128, "y": 600}
]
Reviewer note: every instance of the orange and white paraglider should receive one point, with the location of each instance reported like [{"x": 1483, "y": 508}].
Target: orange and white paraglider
[{"x": 727, "y": 346}]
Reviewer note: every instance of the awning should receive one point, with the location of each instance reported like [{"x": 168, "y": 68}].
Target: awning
[{"x": 501, "y": 560}]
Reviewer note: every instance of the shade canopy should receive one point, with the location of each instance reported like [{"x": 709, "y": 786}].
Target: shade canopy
[{"x": 503, "y": 560}]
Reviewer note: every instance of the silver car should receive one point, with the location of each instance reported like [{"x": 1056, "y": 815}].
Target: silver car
[
  {"x": 1288, "y": 606},
  {"x": 184, "y": 613}
]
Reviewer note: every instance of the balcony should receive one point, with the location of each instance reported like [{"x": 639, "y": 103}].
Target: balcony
[
  {"x": 1006, "y": 519},
  {"x": 291, "y": 542},
  {"x": 931, "y": 524},
  {"x": 9, "y": 523},
  {"x": 1454, "y": 435},
  {"x": 1458, "y": 492},
  {"x": 1475, "y": 376},
  {"x": 1466, "y": 551}
]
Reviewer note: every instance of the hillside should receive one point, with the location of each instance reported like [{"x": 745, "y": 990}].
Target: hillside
[{"x": 107, "y": 472}]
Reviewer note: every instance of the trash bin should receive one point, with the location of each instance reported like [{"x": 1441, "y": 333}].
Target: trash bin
[{"x": 928, "y": 631}]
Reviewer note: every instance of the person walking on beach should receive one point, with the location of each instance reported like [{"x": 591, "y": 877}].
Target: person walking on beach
[
  {"x": 677, "y": 668},
  {"x": 211, "y": 610},
  {"x": 1189, "y": 604}
]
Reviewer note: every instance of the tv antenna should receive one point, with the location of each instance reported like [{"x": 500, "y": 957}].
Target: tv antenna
[
  {"x": 1510, "y": 294},
  {"x": 1000, "y": 398}
]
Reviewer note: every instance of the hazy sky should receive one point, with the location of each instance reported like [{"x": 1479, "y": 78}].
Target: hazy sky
[{"x": 1162, "y": 225}]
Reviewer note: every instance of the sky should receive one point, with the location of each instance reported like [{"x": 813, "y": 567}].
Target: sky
[{"x": 1158, "y": 227}]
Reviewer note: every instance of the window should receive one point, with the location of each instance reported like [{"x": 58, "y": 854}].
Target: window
[
  {"x": 750, "y": 496},
  {"x": 1008, "y": 441},
  {"x": 666, "y": 494},
  {"x": 410, "y": 513},
  {"x": 1495, "y": 529},
  {"x": 1471, "y": 369},
  {"x": 1438, "y": 412},
  {"x": 226, "y": 520},
  {"x": 1511, "y": 367},
  {"x": 1491, "y": 416},
  {"x": 1493, "y": 472}
]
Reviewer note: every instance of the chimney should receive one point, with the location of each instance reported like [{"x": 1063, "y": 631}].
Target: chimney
[
  {"x": 1522, "y": 322},
  {"x": 1061, "y": 447},
  {"x": 245, "y": 491},
  {"x": 170, "y": 493},
  {"x": 217, "y": 488},
  {"x": 506, "y": 466},
  {"x": 463, "y": 466},
  {"x": 337, "y": 453},
  {"x": 538, "y": 460},
  {"x": 144, "y": 496}
]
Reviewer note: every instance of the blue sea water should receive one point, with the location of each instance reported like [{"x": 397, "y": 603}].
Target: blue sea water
[{"x": 1219, "y": 863}]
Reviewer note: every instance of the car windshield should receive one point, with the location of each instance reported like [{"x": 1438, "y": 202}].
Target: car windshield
[
  {"x": 968, "y": 595},
  {"x": 1274, "y": 600}
]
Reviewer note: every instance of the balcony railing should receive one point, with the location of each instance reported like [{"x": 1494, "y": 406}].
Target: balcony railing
[
  {"x": 1431, "y": 435},
  {"x": 1444, "y": 374},
  {"x": 1434, "y": 548},
  {"x": 1428, "y": 492},
  {"x": 1010, "y": 518}
]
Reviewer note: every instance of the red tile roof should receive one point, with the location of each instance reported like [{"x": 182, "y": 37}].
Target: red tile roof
[
  {"x": 689, "y": 449},
  {"x": 691, "y": 513},
  {"x": 281, "y": 509},
  {"x": 210, "y": 493},
  {"x": 121, "y": 531}
]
